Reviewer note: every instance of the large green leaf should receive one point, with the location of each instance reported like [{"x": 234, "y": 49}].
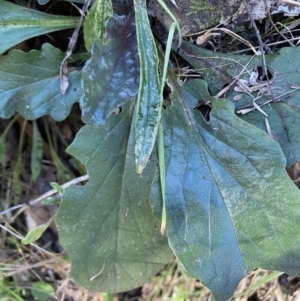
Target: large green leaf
[
  {"x": 231, "y": 206},
  {"x": 19, "y": 23},
  {"x": 284, "y": 115},
  {"x": 29, "y": 84},
  {"x": 107, "y": 226},
  {"x": 220, "y": 69},
  {"x": 110, "y": 77},
  {"x": 149, "y": 104}
]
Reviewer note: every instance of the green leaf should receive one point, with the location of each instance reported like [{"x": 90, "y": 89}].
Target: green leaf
[
  {"x": 149, "y": 104},
  {"x": 57, "y": 187},
  {"x": 283, "y": 119},
  {"x": 34, "y": 234},
  {"x": 95, "y": 22},
  {"x": 107, "y": 226},
  {"x": 284, "y": 115},
  {"x": 50, "y": 201},
  {"x": 36, "y": 152},
  {"x": 107, "y": 297},
  {"x": 231, "y": 206},
  {"x": 19, "y": 23},
  {"x": 42, "y": 291},
  {"x": 29, "y": 84},
  {"x": 110, "y": 77},
  {"x": 220, "y": 69}
]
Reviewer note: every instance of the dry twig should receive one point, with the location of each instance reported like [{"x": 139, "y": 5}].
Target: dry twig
[{"x": 64, "y": 78}]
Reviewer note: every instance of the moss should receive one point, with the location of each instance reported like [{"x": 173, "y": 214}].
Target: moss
[
  {"x": 198, "y": 6},
  {"x": 197, "y": 14}
]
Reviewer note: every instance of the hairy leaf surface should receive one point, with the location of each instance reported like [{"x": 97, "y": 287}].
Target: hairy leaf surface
[
  {"x": 18, "y": 23},
  {"x": 110, "y": 77},
  {"x": 230, "y": 204},
  {"x": 29, "y": 84},
  {"x": 107, "y": 226}
]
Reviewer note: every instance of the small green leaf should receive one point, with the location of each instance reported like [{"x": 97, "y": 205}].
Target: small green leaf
[
  {"x": 95, "y": 22},
  {"x": 50, "y": 201},
  {"x": 107, "y": 225},
  {"x": 149, "y": 103},
  {"x": 18, "y": 23},
  {"x": 107, "y": 297},
  {"x": 36, "y": 152},
  {"x": 42, "y": 291},
  {"x": 230, "y": 204},
  {"x": 29, "y": 84},
  {"x": 57, "y": 187},
  {"x": 34, "y": 234}
]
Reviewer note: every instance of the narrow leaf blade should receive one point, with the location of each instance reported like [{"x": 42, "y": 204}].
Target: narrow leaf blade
[
  {"x": 95, "y": 22},
  {"x": 149, "y": 102},
  {"x": 36, "y": 152},
  {"x": 19, "y": 23}
]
